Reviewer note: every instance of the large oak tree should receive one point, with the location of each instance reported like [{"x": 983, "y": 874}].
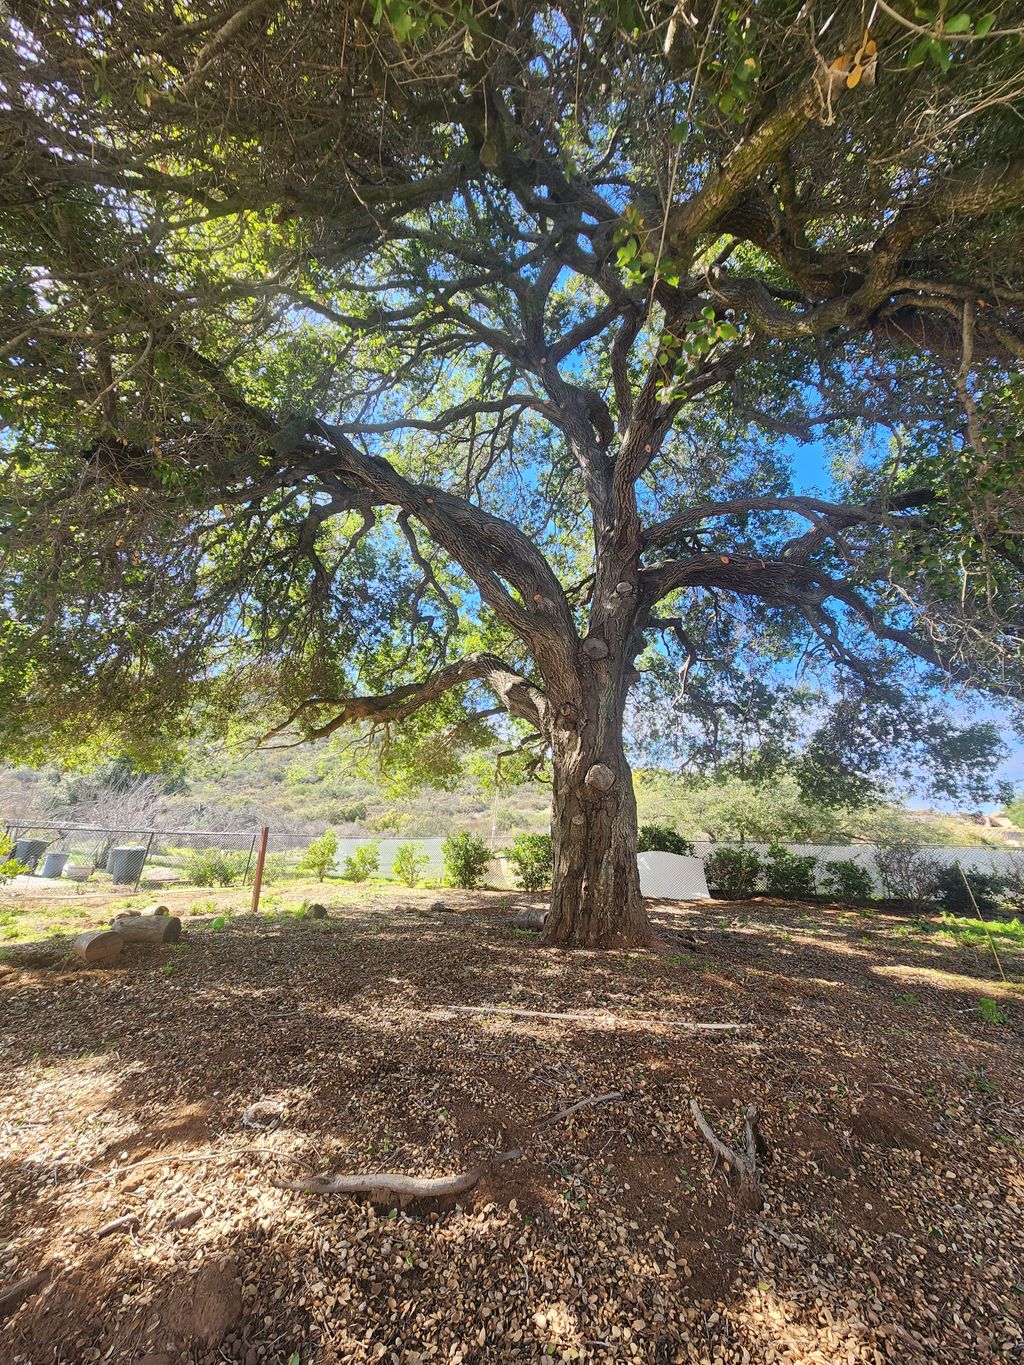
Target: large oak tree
[{"x": 416, "y": 367}]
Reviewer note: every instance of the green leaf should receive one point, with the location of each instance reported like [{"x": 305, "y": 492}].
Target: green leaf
[
  {"x": 940, "y": 54},
  {"x": 918, "y": 53},
  {"x": 960, "y": 23},
  {"x": 984, "y": 24}
]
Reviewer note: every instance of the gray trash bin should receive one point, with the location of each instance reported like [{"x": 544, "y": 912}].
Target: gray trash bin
[
  {"x": 29, "y": 851},
  {"x": 53, "y": 864},
  {"x": 125, "y": 864}
]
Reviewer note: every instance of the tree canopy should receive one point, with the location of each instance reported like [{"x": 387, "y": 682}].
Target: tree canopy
[{"x": 419, "y": 365}]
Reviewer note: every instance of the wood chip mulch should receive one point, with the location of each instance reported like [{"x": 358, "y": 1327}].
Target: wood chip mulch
[{"x": 164, "y": 1094}]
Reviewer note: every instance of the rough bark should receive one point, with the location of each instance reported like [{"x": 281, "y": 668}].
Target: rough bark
[
  {"x": 98, "y": 945},
  {"x": 595, "y": 891},
  {"x": 148, "y": 928}
]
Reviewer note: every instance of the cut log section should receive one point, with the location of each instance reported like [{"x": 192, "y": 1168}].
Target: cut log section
[
  {"x": 98, "y": 945},
  {"x": 155, "y": 909},
  {"x": 148, "y": 928}
]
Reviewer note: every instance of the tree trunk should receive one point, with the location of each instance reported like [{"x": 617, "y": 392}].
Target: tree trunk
[{"x": 595, "y": 891}]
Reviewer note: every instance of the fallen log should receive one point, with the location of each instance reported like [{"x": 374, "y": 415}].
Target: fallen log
[
  {"x": 148, "y": 928},
  {"x": 155, "y": 909},
  {"x": 98, "y": 945}
]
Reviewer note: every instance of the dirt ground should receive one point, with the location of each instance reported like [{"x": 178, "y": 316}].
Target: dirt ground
[{"x": 887, "y": 1223}]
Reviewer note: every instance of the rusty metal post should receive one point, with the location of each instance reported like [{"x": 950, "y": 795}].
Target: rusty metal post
[{"x": 261, "y": 857}]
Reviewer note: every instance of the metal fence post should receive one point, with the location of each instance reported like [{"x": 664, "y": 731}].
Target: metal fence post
[
  {"x": 248, "y": 861},
  {"x": 149, "y": 845},
  {"x": 261, "y": 857}
]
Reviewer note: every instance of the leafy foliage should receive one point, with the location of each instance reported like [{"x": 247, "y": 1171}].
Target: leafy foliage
[
  {"x": 664, "y": 839},
  {"x": 214, "y": 867},
  {"x": 320, "y": 856},
  {"x": 372, "y": 410},
  {"x": 9, "y": 867},
  {"x": 789, "y": 875},
  {"x": 845, "y": 880},
  {"x": 732, "y": 873},
  {"x": 466, "y": 857},
  {"x": 408, "y": 863},
  {"x": 363, "y": 862},
  {"x": 531, "y": 857},
  {"x": 952, "y": 894}
]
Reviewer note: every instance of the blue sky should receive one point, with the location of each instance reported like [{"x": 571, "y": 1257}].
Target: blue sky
[{"x": 811, "y": 473}]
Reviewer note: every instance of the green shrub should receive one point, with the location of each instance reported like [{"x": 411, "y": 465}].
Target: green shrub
[
  {"x": 789, "y": 876},
  {"x": 319, "y": 857},
  {"x": 275, "y": 867},
  {"x": 465, "y": 859},
  {"x": 907, "y": 873},
  {"x": 663, "y": 839},
  {"x": 409, "y": 860},
  {"x": 845, "y": 880},
  {"x": 953, "y": 896},
  {"x": 362, "y": 862},
  {"x": 732, "y": 873},
  {"x": 9, "y": 867},
  {"x": 531, "y": 857},
  {"x": 214, "y": 867}
]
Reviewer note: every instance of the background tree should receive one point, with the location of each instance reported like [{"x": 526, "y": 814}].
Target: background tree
[{"x": 412, "y": 372}]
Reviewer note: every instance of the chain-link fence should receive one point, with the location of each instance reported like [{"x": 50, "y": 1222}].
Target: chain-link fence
[
  {"x": 65, "y": 859},
  {"x": 1001, "y": 862}
]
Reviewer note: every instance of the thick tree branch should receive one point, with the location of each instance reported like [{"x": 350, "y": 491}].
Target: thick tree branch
[{"x": 518, "y": 696}]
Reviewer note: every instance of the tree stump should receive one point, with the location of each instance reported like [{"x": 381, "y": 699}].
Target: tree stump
[
  {"x": 148, "y": 928},
  {"x": 98, "y": 945}
]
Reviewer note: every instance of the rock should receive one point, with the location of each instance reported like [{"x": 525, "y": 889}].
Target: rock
[
  {"x": 439, "y": 905},
  {"x": 316, "y": 911},
  {"x": 529, "y": 918}
]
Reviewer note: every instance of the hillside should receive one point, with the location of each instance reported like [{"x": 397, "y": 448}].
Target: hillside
[{"x": 302, "y": 791}]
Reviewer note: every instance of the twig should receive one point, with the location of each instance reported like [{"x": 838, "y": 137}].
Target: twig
[
  {"x": 168, "y": 1157},
  {"x": 581, "y": 1104},
  {"x": 605, "y": 1019},
  {"x": 126, "y": 1223},
  {"x": 988, "y": 931}
]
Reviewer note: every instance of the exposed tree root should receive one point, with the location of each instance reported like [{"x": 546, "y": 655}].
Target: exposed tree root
[
  {"x": 745, "y": 1162},
  {"x": 402, "y": 1187},
  {"x": 406, "y": 1187}
]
